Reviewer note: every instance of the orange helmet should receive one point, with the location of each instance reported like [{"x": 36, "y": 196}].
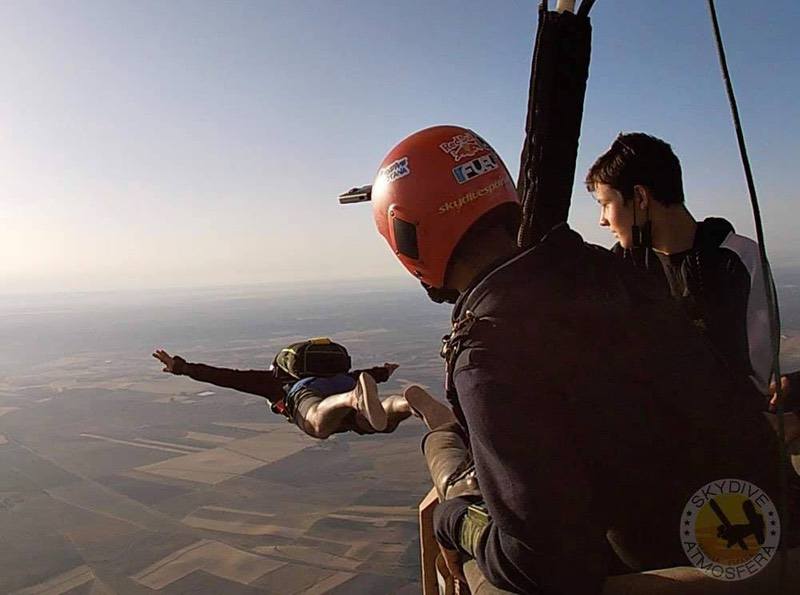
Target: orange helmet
[{"x": 430, "y": 189}]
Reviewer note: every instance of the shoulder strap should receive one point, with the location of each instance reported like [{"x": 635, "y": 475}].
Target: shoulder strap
[{"x": 452, "y": 346}]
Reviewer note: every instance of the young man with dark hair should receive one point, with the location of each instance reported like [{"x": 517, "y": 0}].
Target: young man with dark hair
[
  {"x": 591, "y": 407},
  {"x": 713, "y": 272}
]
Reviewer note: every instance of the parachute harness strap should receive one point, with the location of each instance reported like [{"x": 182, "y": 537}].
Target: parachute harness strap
[
  {"x": 769, "y": 285},
  {"x": 452, "y": 342}
]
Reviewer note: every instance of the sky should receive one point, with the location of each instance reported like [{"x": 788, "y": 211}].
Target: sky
[{"x": 187, "y": 143}]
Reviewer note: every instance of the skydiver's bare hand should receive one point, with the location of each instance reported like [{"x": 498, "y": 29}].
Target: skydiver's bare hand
[
  {"x": 166, "y": 359},
  {"x": 390, "y": 368},
  {"x": 773, "y": 391}
]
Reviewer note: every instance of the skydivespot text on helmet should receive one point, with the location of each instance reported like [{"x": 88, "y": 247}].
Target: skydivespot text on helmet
[{"x": 469, "y": 197}]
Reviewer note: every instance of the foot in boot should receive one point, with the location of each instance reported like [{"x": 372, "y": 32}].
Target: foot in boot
[
  {"x": 432, "y": 412},
  {"x": 368, "y": 404}
]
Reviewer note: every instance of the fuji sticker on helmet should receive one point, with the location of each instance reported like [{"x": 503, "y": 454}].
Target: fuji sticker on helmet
[{"x": 477, "y": 167}]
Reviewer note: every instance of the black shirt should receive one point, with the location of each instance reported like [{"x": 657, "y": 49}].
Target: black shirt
[{"x": 672, "y": 263}]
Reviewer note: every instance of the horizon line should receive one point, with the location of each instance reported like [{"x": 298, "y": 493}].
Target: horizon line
[{"x": 278, "y": 285}]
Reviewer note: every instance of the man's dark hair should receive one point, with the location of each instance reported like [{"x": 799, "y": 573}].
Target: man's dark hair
[
  {"x": 638, "y": 158},
  {"x": 505, "y": 217}
]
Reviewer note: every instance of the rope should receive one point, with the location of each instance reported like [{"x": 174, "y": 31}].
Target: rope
[
  {"x": 769, "y": 285},
  {"x": 585, "y": 7}
]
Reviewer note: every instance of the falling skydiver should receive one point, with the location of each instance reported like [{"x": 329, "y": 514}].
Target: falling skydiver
[{"x": 321, "y": 398}]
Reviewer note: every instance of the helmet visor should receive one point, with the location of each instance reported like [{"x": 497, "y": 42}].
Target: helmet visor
[{"x": 405, "y": 237}]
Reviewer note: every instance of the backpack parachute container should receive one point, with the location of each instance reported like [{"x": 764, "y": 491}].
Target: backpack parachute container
[{"x": 314, "y": 357}]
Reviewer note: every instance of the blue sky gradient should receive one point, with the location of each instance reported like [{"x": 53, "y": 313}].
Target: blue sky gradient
[{"x": 155, "y": 144}]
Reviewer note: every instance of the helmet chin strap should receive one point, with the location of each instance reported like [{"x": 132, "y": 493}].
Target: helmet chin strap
[{"x": 642, "y": 237}]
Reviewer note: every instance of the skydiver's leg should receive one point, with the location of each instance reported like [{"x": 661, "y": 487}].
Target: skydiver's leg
[
  {"x": 322, "y": 416},
  {"x": 414, "y": 401},
  {"x": 397, "y": 411},
  {"x": 434, "y": 413},
  {"x": 314, "y": 421}
]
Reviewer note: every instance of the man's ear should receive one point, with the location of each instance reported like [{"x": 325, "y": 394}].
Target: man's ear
[{"x": 642, "y": 197}]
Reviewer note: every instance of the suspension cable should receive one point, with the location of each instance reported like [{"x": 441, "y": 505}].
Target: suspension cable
[{"x": 769, "y": 287}]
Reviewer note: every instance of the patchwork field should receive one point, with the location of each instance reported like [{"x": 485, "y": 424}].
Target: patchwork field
[{"x": 118, "y": 478}]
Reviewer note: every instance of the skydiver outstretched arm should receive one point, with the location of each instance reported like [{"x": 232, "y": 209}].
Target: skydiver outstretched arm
[{"x": 256, "y": 382}]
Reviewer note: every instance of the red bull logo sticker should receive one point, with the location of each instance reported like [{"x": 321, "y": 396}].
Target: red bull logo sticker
[
  {"x": 730, "y": 529},
  {"x": 463, "y": 145}
]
